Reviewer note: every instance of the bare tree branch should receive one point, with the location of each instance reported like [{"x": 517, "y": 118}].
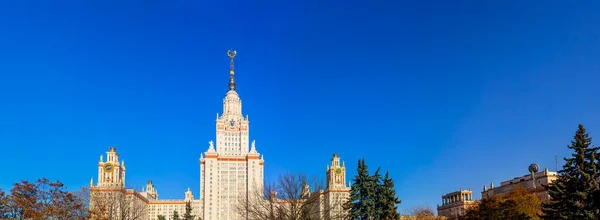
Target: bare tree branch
[
  {"x": 291, "y": 197},
  {"x": 116, "y": 204},
  {"x": 422, "y": 212}
]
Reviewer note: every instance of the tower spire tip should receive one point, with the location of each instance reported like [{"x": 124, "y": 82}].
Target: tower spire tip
[{"x": 231, "y": 54}]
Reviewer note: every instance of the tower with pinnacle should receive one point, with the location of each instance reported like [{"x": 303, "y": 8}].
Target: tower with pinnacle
[
  {"x": 231, "y": 167},
  {"x": 337, "y": 192}
]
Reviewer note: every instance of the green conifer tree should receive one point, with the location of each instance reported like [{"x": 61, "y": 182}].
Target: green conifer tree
[
  {"x": 361, "y": 203},
  {"x": 161, "y": 217},
  {"x": 375, "y": 188},
  {"x": 188, "y": 212},
  {"x": 388, "y": 200},
  {"x": 176, "y": 216},
  {"x": 573, "y": 191}
]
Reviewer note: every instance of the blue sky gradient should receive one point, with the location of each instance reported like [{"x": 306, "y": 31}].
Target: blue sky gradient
[{"x": 441, "y": 94}]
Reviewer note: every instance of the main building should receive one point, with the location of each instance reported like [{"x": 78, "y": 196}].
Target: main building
[{"x": 229, "y": 169}]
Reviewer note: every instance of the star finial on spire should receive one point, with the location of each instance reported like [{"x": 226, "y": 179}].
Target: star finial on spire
[{"x": 231, "y": 54}]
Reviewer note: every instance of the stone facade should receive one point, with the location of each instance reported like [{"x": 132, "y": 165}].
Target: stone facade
[
  {"x": 114, "y": 201},
  {"x": 527, "y": 182},
  {"x": 456, "y": 203},
  {"x": 326, "y": 203},
  {"x": 229, "y": 169},
  {"x": 336, "y": 192}
]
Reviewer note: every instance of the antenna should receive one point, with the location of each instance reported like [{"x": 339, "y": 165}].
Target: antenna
[{"x": 557, "y": 163}]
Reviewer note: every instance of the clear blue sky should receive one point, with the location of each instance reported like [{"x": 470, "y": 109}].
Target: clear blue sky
[{"x": 443, "y": 95}]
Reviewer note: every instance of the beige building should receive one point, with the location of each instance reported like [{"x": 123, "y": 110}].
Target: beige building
[
  {"x": 229, "y": 169},
  {"x": 114, "y": 201},
  {"x": 532, "y": 182},
  {"x": 456, "y": 203},
  {"x": 324, "y": 204},
  {"x": 336, "y": 192}
]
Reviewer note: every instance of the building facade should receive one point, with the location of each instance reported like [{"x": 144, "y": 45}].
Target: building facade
[
  {"x": 229, "y": 169},
  {"x": 532, "y": 182},
  {"x": 456, "y": 203},
  {"x": 110, "y": 199},
  {"x": 336, "y": 192},
  {"x": 326, "y": 203}
]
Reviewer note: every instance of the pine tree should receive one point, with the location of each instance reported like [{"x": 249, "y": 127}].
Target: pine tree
[
  {"x": 572, "y": 193},
  {"x": 188, "y": 212},
  {"x": 161, "y": 217},
  {"x": 387, "y": 199},
  {"x": 361, "y": 203},
  {"x": 371, "y": 196},
  {"x": 176, "y": 216},
  {"x": 377, "y": 187}
]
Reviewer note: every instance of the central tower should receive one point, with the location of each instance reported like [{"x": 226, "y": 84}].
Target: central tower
[
  {"x": 230, "y": 171},
  {"x": 232, "y": 127}
]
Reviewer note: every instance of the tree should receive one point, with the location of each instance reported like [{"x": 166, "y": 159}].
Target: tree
[
  {"x": 372, "y": 197},
  {"x": 3, "y": 204},
  {"x": 175, "y": 215},
  {"x": 572, "y": 193},
  {"x": 387, "y": 199},
  {"x": 161, "y": 217},
  {"x": 24, "y": 200},
  {"x": 44, "y": 199},
  {"x": 495, "y": 209},
  {"x": 188, "y": 212},
  {"x": 519, "y": 204},
  {"x": 82, "y": 196},
  {"x": 289, "y": 197},
  {"x": 422, "y": 213},
  {"x": 115, "y": 204},
  {"x": 526, "y": 202},
  {"x": 361, "y": 204}
]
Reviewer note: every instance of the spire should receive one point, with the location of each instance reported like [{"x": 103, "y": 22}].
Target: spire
[
  {"x": 92, "y": 182},
  {"x": 253, "y": 148},
  {"x": 211, "y": 147},
  {"x": 231, "y": 55}
]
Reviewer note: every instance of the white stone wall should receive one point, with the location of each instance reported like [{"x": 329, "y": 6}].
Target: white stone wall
[
  {"x": 210, "y": 189},
  {"x": 167, "y": 207}
]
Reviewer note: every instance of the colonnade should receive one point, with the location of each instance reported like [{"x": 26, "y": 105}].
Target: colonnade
[{"x": 457, "y": 198}]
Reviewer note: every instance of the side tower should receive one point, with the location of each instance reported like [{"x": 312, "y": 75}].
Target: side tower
[
  {"x": 337, "y": 192},
  {"x": 111, "y": 173},
  {"x": 456, "y": 203},
  {"x": 109, "y": 199},
  {"x": 231, "y": 170}
]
